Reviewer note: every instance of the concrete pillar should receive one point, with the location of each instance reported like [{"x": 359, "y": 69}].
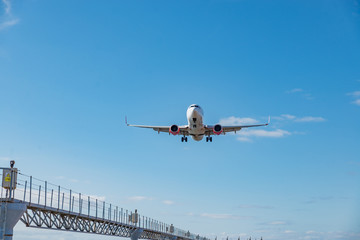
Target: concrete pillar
[
  {"x": 10, "y": 214},
  {"x": 135, "y": 234}
]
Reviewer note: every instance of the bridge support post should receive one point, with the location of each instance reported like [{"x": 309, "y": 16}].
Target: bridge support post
[
  {"x": 135, "y": 234},
  {"x": 10, "y": 214}
]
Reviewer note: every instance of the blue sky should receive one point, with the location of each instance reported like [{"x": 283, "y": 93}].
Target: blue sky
[{"x": 71, "y": 70}]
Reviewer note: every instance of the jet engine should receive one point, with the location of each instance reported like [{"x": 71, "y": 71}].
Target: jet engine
[
  {"x": 174, "y": 129},
  {"x": 217, "y": 129}
]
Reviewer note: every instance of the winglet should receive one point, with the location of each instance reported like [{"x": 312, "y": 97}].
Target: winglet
[
  {"x": 268, "y": 121},
  {"x": 126, "y": 121}
]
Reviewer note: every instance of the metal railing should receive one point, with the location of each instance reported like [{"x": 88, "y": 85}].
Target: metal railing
[{"x": 34, "y": 191}]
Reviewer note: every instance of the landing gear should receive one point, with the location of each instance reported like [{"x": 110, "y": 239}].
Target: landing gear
[
  {"x": 183, "y": 139},
  {"x": 208, "y": 139}
]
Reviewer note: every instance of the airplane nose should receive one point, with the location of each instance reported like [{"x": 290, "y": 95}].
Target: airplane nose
[{"x": 195, "y": 111}]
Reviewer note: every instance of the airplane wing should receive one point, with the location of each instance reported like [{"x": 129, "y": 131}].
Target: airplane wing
[
  {"x": 226, "y": 129},
  {"x": 183, "y": 129}
]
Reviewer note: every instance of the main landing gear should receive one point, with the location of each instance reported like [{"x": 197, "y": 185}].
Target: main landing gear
[
  {"x": 208, "y": 139},
  {"x": 183, "y": 139}
]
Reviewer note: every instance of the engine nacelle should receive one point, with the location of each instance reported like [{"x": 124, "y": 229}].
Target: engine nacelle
[
  {"x": 174, "y": 129},
  {"x": 217, "y": 129}
]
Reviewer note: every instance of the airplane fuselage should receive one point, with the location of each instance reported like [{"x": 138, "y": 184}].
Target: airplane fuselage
[{"x": 194, "y": 116}]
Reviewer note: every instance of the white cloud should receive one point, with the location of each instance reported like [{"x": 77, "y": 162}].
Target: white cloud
[
  {"x": 219, "y": 216},
  {"x": 299, "y": 119},
  {"x": 310, "y": 119},
  {"x": 7, "y": 6},
  {"x": 8, "y": 23},
  {"x": 301, "y": 92},
  {"x": 357, "y": 102},
  {"x": 288, "y": 231},
  {"x": 244, "y": 139},
  {"x": 354, "y": 94},
  {"x": 295, "y": 90},
  {"x": 264, "y": 133},
  {"x": 255, "y": 206},
  {"x": 168, "y": 202},
  {"x": 288, "y": 116},
  {"x": 247, "y": 134},
  {"x": 139, "y": 198},
  {"x": 9, "y": 19},
  {"x": 237, "y": 121},
  {"x": 5, "y": 159},
  {"x": 276, "y": 223}
]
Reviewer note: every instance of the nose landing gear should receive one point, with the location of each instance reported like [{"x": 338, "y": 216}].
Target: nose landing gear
[{"x": 208, "y": 139}]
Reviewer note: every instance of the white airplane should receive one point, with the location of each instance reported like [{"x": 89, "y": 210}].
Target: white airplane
[{"x": 196, "y": 128}]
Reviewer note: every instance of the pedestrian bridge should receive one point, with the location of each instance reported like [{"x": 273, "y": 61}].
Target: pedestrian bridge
[{"x": 40, "y": 204}]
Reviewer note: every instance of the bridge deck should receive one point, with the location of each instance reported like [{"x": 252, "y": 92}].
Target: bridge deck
[{"x": 53, "y": 207}]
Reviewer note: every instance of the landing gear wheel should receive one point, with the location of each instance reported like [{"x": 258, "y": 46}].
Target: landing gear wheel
[
  {"x": 185, "y": 139},
  {"x": 207, "y": 139},
  {"x": 182, "y": 139},
  {"x": 210, "y": 139}
]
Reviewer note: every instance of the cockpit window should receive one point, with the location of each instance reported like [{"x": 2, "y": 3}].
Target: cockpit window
[{"x": 194, "y": 105}]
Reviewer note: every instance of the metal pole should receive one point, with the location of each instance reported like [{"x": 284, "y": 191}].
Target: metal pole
[
  {"x": 127, "y": 217},
  {"x": 88, "y": 205},
  {"x": 62, "y": 204},
  {"x": 80, "y": 207},
  {"x": 103, "y": 210},
  {"x": 121, "y": 220},
  {"x": 52, "y": 192},
  {"x": 110, "y": 212},
  {"x": 30, "y": 188},
  {"x": 59, "y": 198},
  {"x": 116, "y": 217},
  {"x": 73, "y": 201},
  {"x": 70, "y": 201},
  {"x": 45, "y": 192},
  {"x": 39, "y": 194},
  {"x": 25, "y": 190},
  {"x": 96, "y": 206},
  {"x": 82, "y": 201}
]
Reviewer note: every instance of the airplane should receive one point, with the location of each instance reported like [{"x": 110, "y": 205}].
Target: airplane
[{"x": 196, "y": 128}]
